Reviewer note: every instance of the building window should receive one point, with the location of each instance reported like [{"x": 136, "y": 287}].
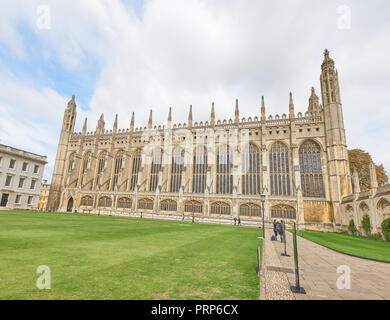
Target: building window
[
  {"x": 29, "y": 200},
  {"x": 155, "y": 169},
  {"x": 21, "y": 182},
  {"x": 85, "y": 167},
  {"x": 105, "y": 202},
  {"x": 283, "y": 212},
  {"x": 12, "y": 164},
  {"x": 86, "y": 201},
  {"x": 117, "y": 169},
  {"x": 176, "y": 169},
  {"x": 101, "y": 167},
  {"x": 311, "y": 170},
  {"x": 279, "y": 170},
  {"x": 145, "y": 204},
  {"x": 124, "y": 203},
  {"x": 220, "y": 208},
  {"x": 168, "y": 205},
  {"x": 8, "y": 181},
  {"x": 193, "y": 207},
  {"x": 71, "y": 162},
  {"x": 36, "y": 169},
  {"x": 251, "y": 170},
  {"x": 4, "y": 200},
  {"x": 33, "y": 183},
  {"x": 224, "y": 170},
  {"x": 24, "y": 167},
  {"x": 199, "y": 173},
  {"x": 250, "y": 210},
  {"x": 17, "y": 199},
  {"x": 135, "y": 170}
]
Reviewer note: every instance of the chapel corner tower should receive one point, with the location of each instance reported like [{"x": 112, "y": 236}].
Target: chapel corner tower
[
  {"x": 338, "y": 164},
  {"x": 59, "y": 165}
]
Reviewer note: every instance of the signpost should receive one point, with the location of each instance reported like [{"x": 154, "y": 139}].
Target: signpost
[
  {"x": 297, "y": 288},
  {"x": 285, "y": 240}
]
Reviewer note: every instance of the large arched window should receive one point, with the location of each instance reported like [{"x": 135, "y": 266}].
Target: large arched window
[
  {"x": 279, "y": 170},
  {"x": 311, "y": 170},
  {"x": 102, "y": 162},
  {"x": 193, "y": 207},
  {"x": 145, "y": 204},
  {"x": 85, "y": 166},
  {"x": 283, "y": 212},
  {"x": 224, "y": 170},
  {"x": 199, "y": 176},
  {"x": 105, "y": 202},
  {"x": 168, "y": 205},
  {"x": 250, "y": 210},
  {"x": 251, "y": 170},
  {"x": 86, "y": 201},
  {"x": 155, "y": 169},
  {"x": 176, "y": 169},
  {"x": 135, "y": 170},
  {"x": 71, "y": 162},
  {"x": 117, "y": 168},
  {"x": 220, "y": 208},
  {"x": 124, "y": 203}
]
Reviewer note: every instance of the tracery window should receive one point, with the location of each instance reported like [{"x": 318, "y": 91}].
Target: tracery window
[
  {"x": 155, "y": 169},
  {"x": 279, "y": 170},
  {"x": 176, "y": 169},
  {"x": 117, "y": 168},
  {"x": 135, "y": 170},
  {"x": 85, "y": 167},
  {"x": 250, "y": 210},
  {"x": 102, "y": 162},
  {"x": 86, "y": 201},
  {"x": 145, "y": 204},
  {"x": 168, "y": 205},
  {"x": 199, "y": 175},
  {"x": 224, "y": 170},
  {"x": 251, "y": 170},
  {"x": 105, "y": 202},
  {"x": 311, "y": 170},
  {"x": 71, "y": 162},
  {"x": 220, "y": 208},
  {"x": 283, "y": 212},
  {"x": 193, "y": 207},
  {"x": 124, "y": 203}
]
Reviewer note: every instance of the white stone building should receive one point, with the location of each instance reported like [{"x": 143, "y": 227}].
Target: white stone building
[{"x": 20, "y": 178}]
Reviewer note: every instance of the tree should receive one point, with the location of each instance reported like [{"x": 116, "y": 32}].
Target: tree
[
  {"x": 360, "y": 160},
  {"x": 366, "y": 224}
]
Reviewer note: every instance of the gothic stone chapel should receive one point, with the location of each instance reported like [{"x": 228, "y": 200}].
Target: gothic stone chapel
[{"x": 217, "y": 169}]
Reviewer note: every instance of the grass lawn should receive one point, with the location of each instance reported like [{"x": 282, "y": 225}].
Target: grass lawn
[
  {"x": 101, "y": 257},
  {"x": 357, "y": 246}
]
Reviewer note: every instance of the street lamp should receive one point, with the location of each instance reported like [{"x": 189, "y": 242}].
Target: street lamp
[{"x": 262, "y": 198}]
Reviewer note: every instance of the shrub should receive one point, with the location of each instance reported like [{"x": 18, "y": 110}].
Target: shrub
[
  {"x": 375, "y": 236},
  {"x": 386, "y": 229},
  {"x": 352, "y": 229},
  {"x": 366, "y": 224}
]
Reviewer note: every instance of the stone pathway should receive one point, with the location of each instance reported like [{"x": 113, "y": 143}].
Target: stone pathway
[{"x": 318, "y": 265}]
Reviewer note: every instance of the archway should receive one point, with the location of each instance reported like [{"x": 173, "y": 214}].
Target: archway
[{"x": 69, "y": 207}]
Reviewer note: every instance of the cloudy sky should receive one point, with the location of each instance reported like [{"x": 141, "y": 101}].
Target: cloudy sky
[{"x": 134, "y": 55}]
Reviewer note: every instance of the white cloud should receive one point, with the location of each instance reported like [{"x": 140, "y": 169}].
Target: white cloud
[{"x": 197, "y": 51}]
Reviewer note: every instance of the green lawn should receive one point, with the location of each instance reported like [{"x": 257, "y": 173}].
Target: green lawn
[
  {"x": 357, "y": 246},
  {"x": 103, "y": 257}
]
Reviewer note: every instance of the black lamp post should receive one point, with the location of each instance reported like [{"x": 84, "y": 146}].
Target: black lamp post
[{"x": 262, "y": 198}]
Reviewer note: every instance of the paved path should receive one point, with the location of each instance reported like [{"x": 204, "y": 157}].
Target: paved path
[
  {"x": 370, "y": 280},
  {"x": 318, "y": 270}
]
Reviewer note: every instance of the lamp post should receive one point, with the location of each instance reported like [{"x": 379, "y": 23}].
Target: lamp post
[{"x": 262, "y": 198}]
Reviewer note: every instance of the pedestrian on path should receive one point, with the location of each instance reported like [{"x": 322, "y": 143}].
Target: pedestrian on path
[
  {"x": 279, "y": 229},
  {"x": 275, "y": 230},
  {"x": 235, "y": 221},
  {"x": 239, "y": 221}
]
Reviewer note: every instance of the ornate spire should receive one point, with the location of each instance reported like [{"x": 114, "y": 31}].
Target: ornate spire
[
  {"x": 115, "y": 128},
  {"x": 373, "y": 178},
  {"x": 132, "y": 122},
  {"x": 237, "y": 113},
  {"x": 190, "y": 117},
  {"x": 212, "y": 115},
  {"x": 314, "y": 102},
  {"x": 328, "y": 62},
  {"x": 263, "y": 118},
  {"x": 291, "y": 107},
  {"x": 170, "y": 115},
  {"x": 84, "y": 127},
  {"x": 100, "y": 126},
  {"x": 72, "y": 104},
  {"x": 150, "y": 122},
  {"x": 356, "y": 181}
]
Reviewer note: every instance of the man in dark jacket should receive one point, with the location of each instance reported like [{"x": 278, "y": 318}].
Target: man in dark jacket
[
  {"x": 275, "y": 231},
  {"x": 279, "y": 229}
]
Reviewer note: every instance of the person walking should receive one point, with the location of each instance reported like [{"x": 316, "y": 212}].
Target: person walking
[
  {"x": 182, "y": 218},
  {"x": 235, "y": 221},
  {"x": 279, "y": 229},
  {"x": 275, "y": 230},
  {"x": 239, "y": 221}
]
